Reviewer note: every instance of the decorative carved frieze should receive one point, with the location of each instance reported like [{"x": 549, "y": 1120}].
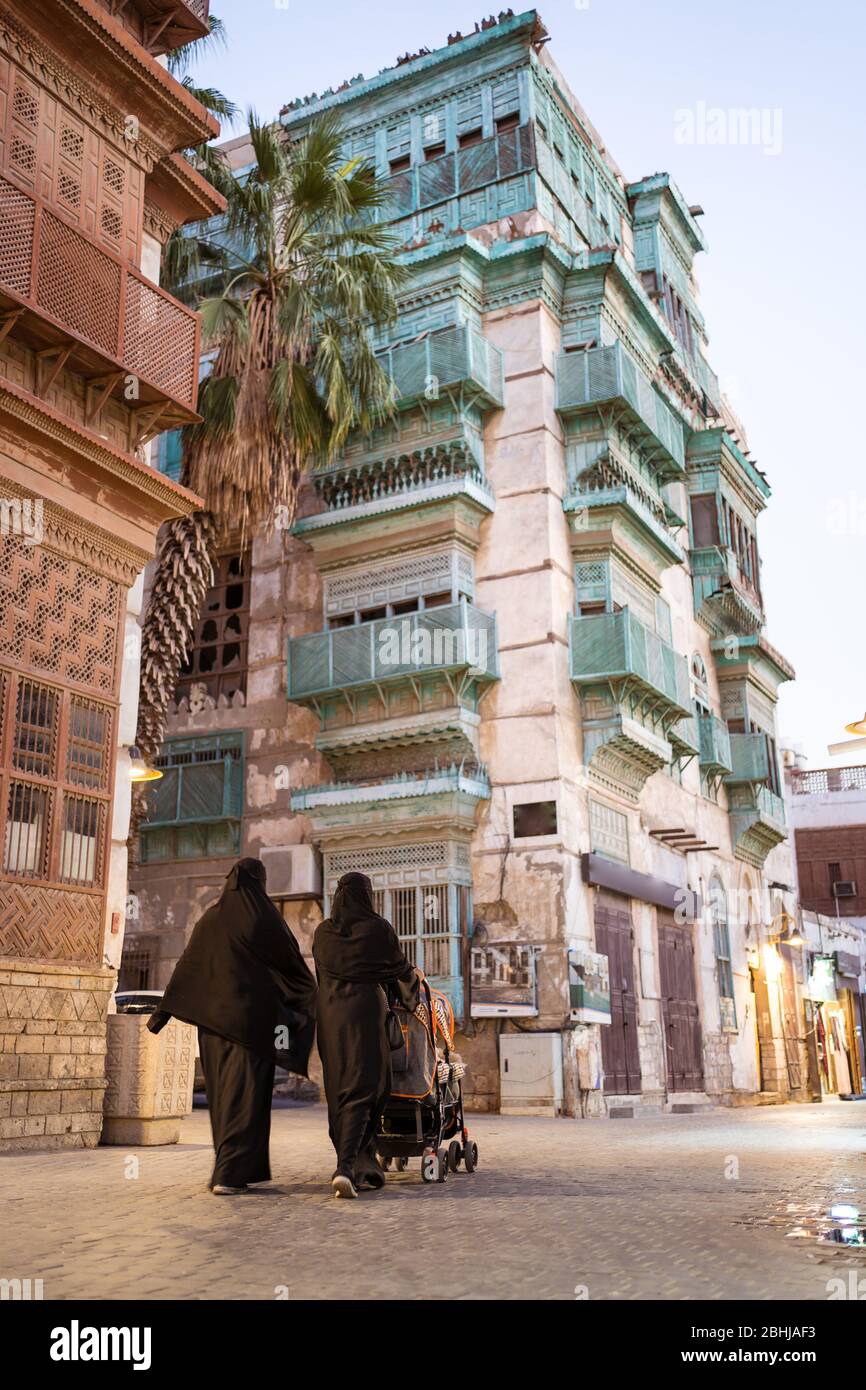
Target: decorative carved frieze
[{"x": 76, "y": 539}]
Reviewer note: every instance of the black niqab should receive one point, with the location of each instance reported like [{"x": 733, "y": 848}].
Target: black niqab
[
  {"x": 358, "y": 956},
  {"x": 242, "y": 974},
  {"x": 355, "y": 943}
]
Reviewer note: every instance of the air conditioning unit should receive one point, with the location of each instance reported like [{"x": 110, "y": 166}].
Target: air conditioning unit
[
  {"x": 845, "y": 888},
  {"x": 530, "y": 1073},
  {"x": 293, "y": 871}
]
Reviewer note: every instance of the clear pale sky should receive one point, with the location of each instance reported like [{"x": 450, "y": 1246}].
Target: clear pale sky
[{"x": 782, "y": 286}]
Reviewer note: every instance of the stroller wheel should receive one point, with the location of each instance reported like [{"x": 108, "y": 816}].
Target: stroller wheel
[
  {"x": 401, "y": 1164},
  {"x": 470, "y": 1156},
  {"x": 384, "y": 1163},
  {"x": 455, "y": 1153},
  {"x": 434, "y": 1165}
]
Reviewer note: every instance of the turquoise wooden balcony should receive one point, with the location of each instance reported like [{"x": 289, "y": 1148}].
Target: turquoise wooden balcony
[
  {"x": 598, "y": 490},
  {"x": 437, "y": 782},
  {"x": 610, "y": 376},
  {"x": 458, "y": 640},
  {"x": 724, "y": 595},
  {"x": 618, "y": 649},
  {"x": 684, "y": 738},
  {"x": 445, "y": 361},
  {"x": 635, "y": 700},
  {"x": 715, "y": 746},
  {"x": 750, "y": 758},
  {"x": 757, "y": 812}
]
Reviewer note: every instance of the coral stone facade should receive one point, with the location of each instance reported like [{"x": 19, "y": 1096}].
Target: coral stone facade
[
  {"x": 511, "y": 662},
  {"x": 95, "y": 360}
]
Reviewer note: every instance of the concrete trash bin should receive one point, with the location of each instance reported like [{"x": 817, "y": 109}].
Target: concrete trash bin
[{"x": 150, "y": 1080}]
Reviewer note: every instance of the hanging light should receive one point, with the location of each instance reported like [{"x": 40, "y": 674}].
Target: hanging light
[
  {"x": 858, "y": 727},
  {"x": 795, "y": 937},
  {"x": 139, "y": 770}
]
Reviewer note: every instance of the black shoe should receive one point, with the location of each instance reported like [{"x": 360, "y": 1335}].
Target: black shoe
[{"x": 370, "y": 1177}]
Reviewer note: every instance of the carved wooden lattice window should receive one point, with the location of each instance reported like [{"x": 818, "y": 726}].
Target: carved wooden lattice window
[
  {"x": 218, "y": 658},
  {"x": 55, "y": 775}
]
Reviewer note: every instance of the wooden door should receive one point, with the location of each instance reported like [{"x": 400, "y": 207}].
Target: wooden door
[
  {"x": 620, "y": 1053},
  {"x": 680, "y": 1018},
  {"x": 792, "y": 1031}
]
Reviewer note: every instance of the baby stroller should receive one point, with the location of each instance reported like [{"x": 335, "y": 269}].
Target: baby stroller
[{"x": 424, "y": 1113}]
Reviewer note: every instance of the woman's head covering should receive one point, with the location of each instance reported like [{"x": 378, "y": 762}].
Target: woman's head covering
[
  {"x": 355, "y": 943},
  {"x": 353, "y": 901},
  {"x": 247, "y": 873},
  {"x": 242, "y": 973}
]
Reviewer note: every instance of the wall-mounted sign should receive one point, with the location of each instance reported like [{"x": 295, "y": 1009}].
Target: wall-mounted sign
[
  {"x": 588, "y": 987},
  {"x": 503, "y": 980},
  {"x": 821, "y": 982},
  {"x": 848, "y": 964}
]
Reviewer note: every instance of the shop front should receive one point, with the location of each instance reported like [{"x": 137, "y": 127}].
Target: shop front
[{"x": 833, "y": 1022}]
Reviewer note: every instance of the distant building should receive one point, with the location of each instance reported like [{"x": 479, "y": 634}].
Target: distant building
[
  {"x": 827, "y": 812},
  {"x": 512, "y": 663},
  {"x": 95, "y": 360}
]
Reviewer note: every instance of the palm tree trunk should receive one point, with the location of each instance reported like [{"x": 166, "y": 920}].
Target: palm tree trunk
[{"x": 184, "y": 573}]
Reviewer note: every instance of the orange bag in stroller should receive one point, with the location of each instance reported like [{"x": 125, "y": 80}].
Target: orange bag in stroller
[{"x": 425, "y": 1107}]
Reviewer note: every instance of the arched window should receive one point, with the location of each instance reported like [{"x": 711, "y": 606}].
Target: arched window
[{"x": 717, "y": 907}]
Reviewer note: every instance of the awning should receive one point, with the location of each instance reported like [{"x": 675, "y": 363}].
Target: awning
[{"x": 605, "y": 873}]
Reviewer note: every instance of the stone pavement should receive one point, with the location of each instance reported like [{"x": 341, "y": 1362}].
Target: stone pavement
[{"x": 629, "y": 1209}]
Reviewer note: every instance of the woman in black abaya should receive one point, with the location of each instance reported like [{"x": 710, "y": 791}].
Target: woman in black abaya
[
  {"x": 243, "y": 982},
  {"x": 358, "y": 956}
]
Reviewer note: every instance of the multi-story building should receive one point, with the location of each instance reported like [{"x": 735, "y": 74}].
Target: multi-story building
[
  {"x": 528, "y": 689},
  {"x": 827, "y": 814},
  {"x": 95, "y": 360}
]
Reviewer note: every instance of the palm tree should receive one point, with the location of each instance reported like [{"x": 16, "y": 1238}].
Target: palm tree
[{"x": 292, "y": 375}]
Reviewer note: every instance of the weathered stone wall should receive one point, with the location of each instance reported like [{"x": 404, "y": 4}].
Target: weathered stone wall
[
  {"x": 52, "y": 1064},
  {"x": 280, "y": 754}
]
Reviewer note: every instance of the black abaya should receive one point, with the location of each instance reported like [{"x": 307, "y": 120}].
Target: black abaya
[
  {"x": 239, "y": 1087},
  {"x": 358, "y": 955},
  {"x": 243, "y": 982}
]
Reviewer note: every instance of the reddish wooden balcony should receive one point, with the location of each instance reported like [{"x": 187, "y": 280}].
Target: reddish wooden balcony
[
  {"x": 80, "y": 307},
  {"x": 166, "y": 24}
]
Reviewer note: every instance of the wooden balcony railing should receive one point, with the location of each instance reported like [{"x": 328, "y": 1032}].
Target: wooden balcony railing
[
  {"x": 715, "y": 754},
  {"x": 457, "y": 636},
  {"x": 603, "y": 375},
  {"x": 73, "y": 296},
  {"x": 444, "y": 360},
  {"x": 620, "y": 649}
]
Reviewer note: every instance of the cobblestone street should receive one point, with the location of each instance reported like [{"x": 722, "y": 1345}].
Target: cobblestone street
[{"x": 632, "y": 1209}]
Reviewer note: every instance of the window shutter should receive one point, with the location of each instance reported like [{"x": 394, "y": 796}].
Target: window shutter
[{"x": 705, "y": 520}]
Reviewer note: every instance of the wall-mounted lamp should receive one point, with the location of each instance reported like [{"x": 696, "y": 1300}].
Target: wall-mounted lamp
[
  {"x": 139, "y": 771},
  {"x": 858, "y": 727},
  {"x": 788, "y": 934}
]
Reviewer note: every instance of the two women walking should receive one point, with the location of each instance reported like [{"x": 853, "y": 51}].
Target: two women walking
[{"x": 243, "y": 982}]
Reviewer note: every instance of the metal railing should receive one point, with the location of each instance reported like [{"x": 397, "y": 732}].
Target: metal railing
[
  {"x": 610, "y": 373},
  {"x": 456, "y": 636}
]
